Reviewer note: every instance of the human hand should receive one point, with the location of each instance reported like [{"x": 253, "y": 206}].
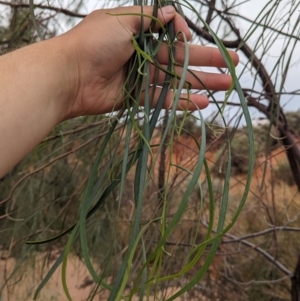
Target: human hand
[
  {"x": 82, "y": 72},
  {"x": 99, "y": 48}
]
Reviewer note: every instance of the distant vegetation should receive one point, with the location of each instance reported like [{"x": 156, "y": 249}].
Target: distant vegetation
[{"x": 194, "y": 221}]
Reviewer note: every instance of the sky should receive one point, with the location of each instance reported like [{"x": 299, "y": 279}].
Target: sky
[{"x": 251, "y": 10}]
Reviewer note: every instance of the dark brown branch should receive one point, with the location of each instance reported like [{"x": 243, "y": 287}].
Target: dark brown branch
[
  {"x": 206, "y": 35},
  {"x": 211, "y": 5},
  {"x": 288, "y": 141},
  {"x": 271, "y": 111},
  {"x": 296, "y": 283},
  {"x": 52, "y": 8},
  {"x": 238, "y": 43}
]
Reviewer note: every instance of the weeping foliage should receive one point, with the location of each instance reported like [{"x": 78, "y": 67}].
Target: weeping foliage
[{"x": 112, "y": 190}]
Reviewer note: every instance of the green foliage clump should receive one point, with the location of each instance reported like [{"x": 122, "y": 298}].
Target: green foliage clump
[
  {"x": 293, "y": 119},
  {"x": 283, "y": 173},
  {"x": 188, "y": 125},
  {"x": 264, "y": 142}
]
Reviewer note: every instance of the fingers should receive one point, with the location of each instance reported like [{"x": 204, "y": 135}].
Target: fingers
[
  {"x": 197, "y": 79},
  {"x": 165, "y": 15},
  {"x": 198, "y": 55},
  {"x": 189, "y": 102},
  {"x": 181, "y": 26}
]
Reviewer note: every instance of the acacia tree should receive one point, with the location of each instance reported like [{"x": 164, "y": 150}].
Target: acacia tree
[{"x": 268, "y": 235}]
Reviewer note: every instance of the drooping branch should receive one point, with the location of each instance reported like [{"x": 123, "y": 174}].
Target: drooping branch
[
  {"x": 268, "y": 256},
  {"x": 273, "y": 109},
  {"x": 260, "y": 250}
]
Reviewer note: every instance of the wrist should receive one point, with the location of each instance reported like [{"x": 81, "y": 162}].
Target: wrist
[
  {"x": 64, "y": 75},
  {"x": 68, "y": 77},
  {"x": 35, "y": 92}
]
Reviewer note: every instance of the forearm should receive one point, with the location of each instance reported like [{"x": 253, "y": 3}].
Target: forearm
[
  {"x": 33, "y": 98},
  {"x": 83, "y": 72}
]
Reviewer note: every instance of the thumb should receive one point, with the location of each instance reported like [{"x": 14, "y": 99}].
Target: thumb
[{"x": 131, "y": 17}]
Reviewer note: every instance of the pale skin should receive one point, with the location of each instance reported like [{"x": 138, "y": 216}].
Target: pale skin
[{"x": 82, "y": 73}]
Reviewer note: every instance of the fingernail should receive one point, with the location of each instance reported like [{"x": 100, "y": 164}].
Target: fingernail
[{"x": 168, "y": 9}]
